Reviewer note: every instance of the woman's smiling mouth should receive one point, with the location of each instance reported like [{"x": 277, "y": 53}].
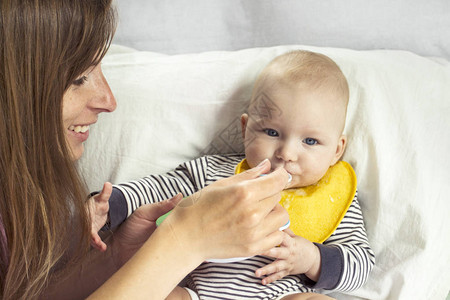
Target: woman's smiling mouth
[{"x": 79, "y": 128}]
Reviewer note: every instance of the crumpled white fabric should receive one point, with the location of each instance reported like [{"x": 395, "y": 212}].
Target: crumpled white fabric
[{"x": 174, "y": 108}]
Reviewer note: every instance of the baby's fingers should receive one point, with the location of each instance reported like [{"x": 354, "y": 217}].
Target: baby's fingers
[
  {"x": 97, "y": 242},
  {"x": 274, "y": 277},
  {"x": 276, "y": 270},
  {"x": 105, "y": 193},
  {"x": 281, "y": 252}
]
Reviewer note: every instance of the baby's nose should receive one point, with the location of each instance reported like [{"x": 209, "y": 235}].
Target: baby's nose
[{"x": 289, "y": 151}]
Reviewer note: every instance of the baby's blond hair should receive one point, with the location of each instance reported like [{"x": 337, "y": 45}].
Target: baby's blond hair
[{"x": 301, "y": 67}]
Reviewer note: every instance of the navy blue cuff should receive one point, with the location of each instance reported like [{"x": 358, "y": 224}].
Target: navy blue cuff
[
  {"x": 117, "y": 210},
  {"x": 331, "y": 268}
]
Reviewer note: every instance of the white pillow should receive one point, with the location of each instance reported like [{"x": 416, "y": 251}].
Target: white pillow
[{"x": 174, "y": 108}]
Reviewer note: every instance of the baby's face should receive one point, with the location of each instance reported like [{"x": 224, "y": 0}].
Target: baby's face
[{"x": 296, "y": 129}]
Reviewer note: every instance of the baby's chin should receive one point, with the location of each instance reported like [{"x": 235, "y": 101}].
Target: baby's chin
[
  {"x": 293, "y": 185},
  {"x": 297, "y": 183}
]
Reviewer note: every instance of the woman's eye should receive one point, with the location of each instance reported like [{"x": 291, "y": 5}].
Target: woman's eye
[
  {"x": 271, "y": 132},
  {"x": 80, "y": 81},
  {"x": 310, "y": 141}
]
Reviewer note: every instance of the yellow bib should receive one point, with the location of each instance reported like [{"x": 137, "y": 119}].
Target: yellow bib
[{"x": 315, "y": 211}]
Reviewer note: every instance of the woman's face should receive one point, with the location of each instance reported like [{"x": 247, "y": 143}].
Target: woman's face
[{"x": 86, "y": 98}]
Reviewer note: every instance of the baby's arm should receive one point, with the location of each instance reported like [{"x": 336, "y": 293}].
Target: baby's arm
[
  {"x": 116, "y": 204},
  {"x": 345, "y": 259},
  {"x": 187, "y": 178},
  {"x": 356, "y": 257}
]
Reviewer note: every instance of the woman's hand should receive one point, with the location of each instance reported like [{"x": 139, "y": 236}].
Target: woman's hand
[
  {"x": 236, "y": 216},
  {"x": 135, "y": 231}
]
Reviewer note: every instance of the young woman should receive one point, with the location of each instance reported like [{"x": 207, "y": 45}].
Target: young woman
[{"x": 51, "y": 90}]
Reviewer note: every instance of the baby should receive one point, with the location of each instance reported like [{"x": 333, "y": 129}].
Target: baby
[{"x": 296, "y": 119}]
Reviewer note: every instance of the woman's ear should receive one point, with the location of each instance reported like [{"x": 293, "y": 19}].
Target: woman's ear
[
  {"x": 244, "y": 120},
  {"x": 340, "y": 148}
]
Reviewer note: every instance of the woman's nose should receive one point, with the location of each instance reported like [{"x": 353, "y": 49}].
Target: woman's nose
[{"x": 104, "y": 100}]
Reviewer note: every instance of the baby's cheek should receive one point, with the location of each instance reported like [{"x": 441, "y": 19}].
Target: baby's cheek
[
  {"x": 252, "y": 156},
  {"x": 317, "y": 174}
]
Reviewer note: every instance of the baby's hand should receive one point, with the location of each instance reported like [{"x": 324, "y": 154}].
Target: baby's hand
[
  {"x": 98, "y": 211},
  {"x": 295, "y": 255}
]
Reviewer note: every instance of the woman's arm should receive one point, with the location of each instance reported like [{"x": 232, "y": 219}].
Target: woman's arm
[
  {"x": 237, "y": 216},
  {"x": 153, "y": 271},
  {"x": 97, "y": 266}
]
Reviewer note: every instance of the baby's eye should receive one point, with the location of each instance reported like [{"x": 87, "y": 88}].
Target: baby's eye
[
  {"x": 310, "y": 141},
  {"x": 271, "y": 132}
]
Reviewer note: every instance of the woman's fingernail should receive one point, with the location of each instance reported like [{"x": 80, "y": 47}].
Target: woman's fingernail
[{"x": 262, "y": 163}]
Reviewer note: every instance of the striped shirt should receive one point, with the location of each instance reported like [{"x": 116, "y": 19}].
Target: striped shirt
[{"x": 346, "y": 257}]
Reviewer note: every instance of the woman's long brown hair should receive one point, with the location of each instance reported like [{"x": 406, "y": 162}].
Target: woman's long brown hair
[{"x": 44, "y": 46}]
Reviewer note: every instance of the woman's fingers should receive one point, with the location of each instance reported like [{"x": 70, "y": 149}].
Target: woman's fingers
[
  {"x": 262, "y": 168},
  {"x": 258, "y": 198},
  {"x": 261, "y": 187},
  {"x": 264, "y": 192},
  {"x": 269, "y": 242},
  {"x": 270, "y": 223},
  {"x": 153, "y": 211},
  {"x": 279, "y": 252},
  {"x": 239, "y": 215}
]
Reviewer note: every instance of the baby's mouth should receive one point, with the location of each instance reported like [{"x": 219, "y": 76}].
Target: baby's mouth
[
  {"x": 289, "y": 174},
  {"x": 79, "y": 128}
]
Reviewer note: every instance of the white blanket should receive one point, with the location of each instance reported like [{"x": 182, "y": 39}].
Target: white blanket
[{"x": 175, "y": 108}]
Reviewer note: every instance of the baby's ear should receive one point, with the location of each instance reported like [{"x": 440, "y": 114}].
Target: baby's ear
[
  {"x": 244, "y": 120},
  {"x": 340, "y": 148}
]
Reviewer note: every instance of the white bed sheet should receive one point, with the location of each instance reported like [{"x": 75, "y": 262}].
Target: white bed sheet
[{"x": 174, "y": 108}]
